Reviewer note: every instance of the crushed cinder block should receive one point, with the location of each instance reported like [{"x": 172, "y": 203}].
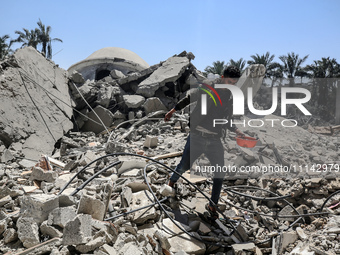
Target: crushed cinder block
[
  {"x": 60, "y": 216},
  {"x": 28, "y": 231},
  {"x": 150, "y": 141},
  {"x": 92, "y": 206},
  {"x": 49, "y": 230},
  {"x": 40, "y": 174},
  {"x": 38, "y": 206},
  {"x": 78, "y": 231}
]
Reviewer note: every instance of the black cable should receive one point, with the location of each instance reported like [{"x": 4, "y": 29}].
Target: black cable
[
  {"x": 157, "y": 162},
  {"x": 275, "y": 216},
  {"x": 173, "y": 221},
  {"x": 135, "y": 210},
  {"x": 270, "y": 192},
  {"x": 328, "y": 198},
  {"x": 92, "y": 177},
  {"x": 258, "y": 198}
]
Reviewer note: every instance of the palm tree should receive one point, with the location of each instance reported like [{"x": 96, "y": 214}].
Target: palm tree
[
  {"x": 292, "y": 64},
  {"x": 28, "y": 38},
  {"x": 240, "y": 64},
  {"x": 4, "y": 47},
  {"x": 324, "y": 89},
  {"x": 45, "y": 39},
  {"x": 267, "y": 61},
  {"x": 216, "y": 68}
]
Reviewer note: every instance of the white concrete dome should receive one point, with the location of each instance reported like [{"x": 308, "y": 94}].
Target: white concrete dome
[
  {"x": 116, "y": 52},
  {"x": 103, "y": 61}
]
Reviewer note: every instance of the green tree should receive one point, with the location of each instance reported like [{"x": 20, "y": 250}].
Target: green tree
[
  {"x": 267, "y": 61},
  {"x": 45, "y": 39},
  {"x": 292, "y": 66},
  {"x": 216, "y": 68},
  {"x": 4, "y": 47},
  {"x": 323, "y": 72},
  {"x": 239, "y": 63},
  {"x": 27, "y": 38}
]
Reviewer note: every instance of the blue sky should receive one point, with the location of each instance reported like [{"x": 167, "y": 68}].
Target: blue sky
[{"x": 156, "y": 30}]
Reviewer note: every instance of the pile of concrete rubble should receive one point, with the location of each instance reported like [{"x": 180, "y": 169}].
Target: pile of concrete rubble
[{"x": 51, "y": 204}]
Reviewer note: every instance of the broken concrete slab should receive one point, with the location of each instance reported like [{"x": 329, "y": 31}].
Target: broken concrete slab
[
  {"x": 78, "y": 231},
  {"x": 140, "y": 199},
  {"x": 60, "y": 216},
  {"x": 91, "y": 245},
  {"x": 187, "y": 244},
  {"x": 167, "y": 191},
  {"x": 38, "y": 206},
  {"x": 133, "y": 101},
  {"x": 170, "y": 71},
  {"x": 10, "y": 235},
  {"x": 92, "y": 206},
  {"x": 40, "y": 174},
  {"x": 49, "y": 230},
  {"x": 153, "y": 104},
  {"x": 105, "y": 115},
  {"x": 28, "y": 232},
  {"x": 20, "y": 118}
]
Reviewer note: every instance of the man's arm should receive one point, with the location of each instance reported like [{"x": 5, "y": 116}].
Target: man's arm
[{"x": 192, "y": 94}]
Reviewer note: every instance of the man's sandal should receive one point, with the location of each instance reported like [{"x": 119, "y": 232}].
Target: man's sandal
[{"x": 213, "y": 214}]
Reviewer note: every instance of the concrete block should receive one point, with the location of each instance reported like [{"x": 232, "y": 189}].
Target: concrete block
[
  {"x": 40, "y": 174},
  {"x": 171, "y": 229},
  {"x": 3, "y": 226},
  {"x": 288, "y": 238},
  {"x": 6, "y": 156},
  {"x": 10, "y": 235},
  {"x": 153, "y": 104},
  {"x": 50, "y": 230},
  {"x": 104, "y": 114},
  {"x": 5, "y": 200},
  {"x": 187, "y": 244},
  {"x": 140, "y": 199},
  {"x": 163, "y": 240},
  {"x": 60, "y": 216},
  {"x": 28, "y": 232},
  {"x": 78, "y": 231},
  {"x": 92, "y": 206},
  {"x": 167, "y": 191},
  {"x": 38, "y": 206},
  {"x": 133, "y": 101},
  {"x": 61, "y": 180},
  {"x": 242, "y": 248},
  {"x": 65, "y": 200},
  {"x": 150, "y": 141},
  {"x": 130, "y": 164},
  {"x": 90, "y": 246},
  {"x": 131, "y": 249}
]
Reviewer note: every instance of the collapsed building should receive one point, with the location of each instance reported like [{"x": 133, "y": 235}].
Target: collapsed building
[{"x": 95, "y": 191}]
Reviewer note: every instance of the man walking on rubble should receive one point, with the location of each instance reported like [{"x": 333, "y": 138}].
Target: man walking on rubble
[{"x": 204, "y": 137}]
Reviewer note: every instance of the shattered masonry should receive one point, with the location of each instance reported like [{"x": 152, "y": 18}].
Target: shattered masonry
[{"x": 36, "y": 219}]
